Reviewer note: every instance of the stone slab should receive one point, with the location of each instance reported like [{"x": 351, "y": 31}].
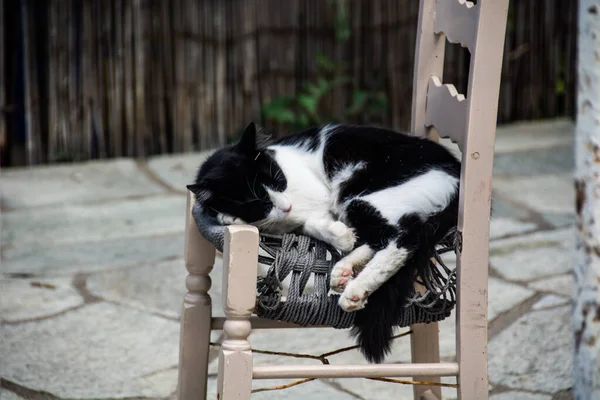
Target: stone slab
[
  {"x": 512, "y": 395},
  {"x": 177, "y": 170},
  {"x": 87, "y": 257},
  {"x": 502, "y": 226},
  {"x": 317, "y": 389},
  {"x": 543, "y": 342},
  {"x": 157, "y": 288},
  {"x": 552, "y": 194},
  {"x": 561, "y": 285},
  {"x": 97, "y": 351},
  {"x": 24, "y": 299},
  {"x": 8, "y": 395},
  {"x": 523, "y": 136},
  {"x": 501, "y": 208},
  {"x": 367, "y": 388},
  {"x": 92, "y": 181},
  {"x": 558, "y": 160},
  {"x": 533, "y": 256},
  {"x": 160, "y": 215},
  {"x": 560, "y": 220},
  {"x": 550, "y": 301},
  {"x": 504, "y": 296}
]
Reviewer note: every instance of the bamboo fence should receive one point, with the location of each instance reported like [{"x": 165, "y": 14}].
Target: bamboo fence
[{"x": 84, "y": 79}]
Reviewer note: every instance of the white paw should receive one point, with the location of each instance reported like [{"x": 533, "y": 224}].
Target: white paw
[
  {"x": 225, "y": 219},
  {"x": 343, "y": 238},
  {"x": 353, "y": 298},
  {"x": 341, "y": 274}
]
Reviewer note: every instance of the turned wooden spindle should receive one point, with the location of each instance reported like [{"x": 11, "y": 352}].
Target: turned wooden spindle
[
  {"x": 194, "y": 344},
  {"x": 240, "y": 268}
]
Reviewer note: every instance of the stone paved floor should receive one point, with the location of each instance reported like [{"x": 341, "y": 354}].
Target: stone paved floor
[{"x": 92, "y": 280}]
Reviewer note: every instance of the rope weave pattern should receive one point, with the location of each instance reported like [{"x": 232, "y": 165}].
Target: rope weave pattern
[{"x": 303, "y": 257}]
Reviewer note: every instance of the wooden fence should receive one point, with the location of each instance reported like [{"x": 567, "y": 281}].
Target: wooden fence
[{"x": 83, "y": 79}]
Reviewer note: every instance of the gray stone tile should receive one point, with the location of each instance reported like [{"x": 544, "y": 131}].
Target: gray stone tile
[
  {"x": 97, "y": 351},
  {"x": 504, "y": 209},
  {"x": 503, "y": 296},
  {"x": 533, "y": 256},
  {"x": 177, "y": 170},
  {"x": 8, "y": 395},
  {"x": 158, "y": 288},
  {"x": 161, "y": 215},
  {"x": 560, "y": 220},
  {"x": 311, "y": 390},
  {"x": 543, "y": 342},
  {"x": 549, "y": 301},
  {"x": 552, "y": 194},
  {"x": 561, "y": 285},
  {"x": 367, "y": 388},
  {"x": 520, "y": 396},
  {"x": 558, "y": 160},
  {"x": 524, "y": 136},
  {"x": 502, "y": 226},
  {"x": 89, "y": 256},
  {"x": 24, "y": 299},
  {"x": 73, "y": 183}
]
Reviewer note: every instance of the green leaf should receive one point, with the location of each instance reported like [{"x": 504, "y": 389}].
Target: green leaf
[
  {"x": 359, "y": 99},
  {"x": 561, "y": 87},
  {"x": 303, "y": 122},
  {"x": 325, "y": 63},
  {"x": 309, "y": 104},
  {"x": 280, "y": 110}
]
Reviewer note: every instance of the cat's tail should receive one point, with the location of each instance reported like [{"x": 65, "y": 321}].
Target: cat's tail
[{"x": 374, "y": 325}]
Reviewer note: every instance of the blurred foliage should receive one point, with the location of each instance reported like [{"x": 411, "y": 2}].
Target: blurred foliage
[{"x": 303, "y": 110}]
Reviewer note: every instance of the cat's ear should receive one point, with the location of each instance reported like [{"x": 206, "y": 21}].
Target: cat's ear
[
  {"x": 202, "y": 194},
  {"x": 254, "y": 138}
]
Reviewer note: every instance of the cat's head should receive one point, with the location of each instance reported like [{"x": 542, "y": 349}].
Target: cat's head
[{"x": 243, "y": 181}]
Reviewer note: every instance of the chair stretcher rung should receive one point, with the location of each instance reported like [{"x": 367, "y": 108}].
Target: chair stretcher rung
[
  {"x": 353, "y": 371},
  {"x": 259, "y": 323}
]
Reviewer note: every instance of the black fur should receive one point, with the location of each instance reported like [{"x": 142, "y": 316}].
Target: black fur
[{"x": 232, "y": 182}]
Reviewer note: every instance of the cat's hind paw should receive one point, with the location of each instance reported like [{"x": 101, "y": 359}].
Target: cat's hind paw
[
  {"x": 343, "y": 237},
  {"x": 341, "y": 274},
  {"x": 353, "y": 298}
]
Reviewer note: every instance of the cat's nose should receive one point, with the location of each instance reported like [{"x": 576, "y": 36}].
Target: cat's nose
[{"x": 287, "y": 209}]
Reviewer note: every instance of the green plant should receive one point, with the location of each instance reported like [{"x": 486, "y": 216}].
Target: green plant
[{"x": 303, "y": 110}]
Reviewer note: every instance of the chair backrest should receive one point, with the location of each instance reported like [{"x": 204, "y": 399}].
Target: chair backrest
[{"x": 470, "y": 122}]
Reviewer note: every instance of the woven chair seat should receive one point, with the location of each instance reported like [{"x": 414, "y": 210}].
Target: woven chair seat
[{"x": 304, "y": 258}]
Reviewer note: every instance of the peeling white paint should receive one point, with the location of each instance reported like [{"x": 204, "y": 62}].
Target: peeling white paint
[{"x": 586, "y": 315}]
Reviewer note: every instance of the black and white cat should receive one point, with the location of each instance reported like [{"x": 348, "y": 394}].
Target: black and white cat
[{"x": 382, "y": 198}]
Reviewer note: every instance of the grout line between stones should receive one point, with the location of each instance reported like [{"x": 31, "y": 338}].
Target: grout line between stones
[
  {"x": 44, "y": 317},
  {"x": 142, "y": 166},
  {"x": 340, "y": 388},
  {"x": 25, "y": 392},
  {"x": 507, "y": 318},
  {"x": 533, "y": 216},
  {"x": 499, "y": 388}
]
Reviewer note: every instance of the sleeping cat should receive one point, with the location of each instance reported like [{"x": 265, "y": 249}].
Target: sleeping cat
[{"x": 382, "y": 198}]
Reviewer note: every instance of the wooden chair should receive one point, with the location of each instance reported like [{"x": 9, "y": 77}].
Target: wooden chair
[{"x": 437, "y": 109}]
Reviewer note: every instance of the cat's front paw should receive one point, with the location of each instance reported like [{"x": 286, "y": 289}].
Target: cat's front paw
[
  {"x": 341, "y": 274},
  {"x": 353, "y": 298},
  {"x": 225, "y": 219},
  {"x": 343, "y": 237}
]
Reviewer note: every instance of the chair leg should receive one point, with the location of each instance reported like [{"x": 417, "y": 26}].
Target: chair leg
[
  {"x": 194, "y": 342},
  {"x": 240, "y": 268},
  {"x": 425, "y": 348}
]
